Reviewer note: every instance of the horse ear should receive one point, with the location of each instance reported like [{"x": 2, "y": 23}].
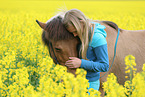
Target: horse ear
[{"x": 42, "y": 25}]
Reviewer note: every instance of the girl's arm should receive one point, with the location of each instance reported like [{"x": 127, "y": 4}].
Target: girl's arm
[{"x": 101, "y": 63}]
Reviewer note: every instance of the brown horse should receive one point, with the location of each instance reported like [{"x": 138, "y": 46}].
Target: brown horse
[{"x": 63, "y": 44}]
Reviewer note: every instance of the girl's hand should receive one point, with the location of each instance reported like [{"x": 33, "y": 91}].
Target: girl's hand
[{"x": 73, "y": 62}]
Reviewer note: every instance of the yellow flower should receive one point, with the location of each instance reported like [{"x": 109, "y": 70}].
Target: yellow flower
[
  {"x": 26, "y": 69},
  {"x": 143, "y": 68}
]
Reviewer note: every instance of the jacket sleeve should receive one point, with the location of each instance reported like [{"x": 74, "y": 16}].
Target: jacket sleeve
[{"x": 101, "y": 63}]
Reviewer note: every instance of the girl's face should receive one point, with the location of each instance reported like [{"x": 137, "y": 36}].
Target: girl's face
[{"x": 73, "y": 30}]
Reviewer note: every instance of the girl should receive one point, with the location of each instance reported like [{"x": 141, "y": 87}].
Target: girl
[{"x": 93, "y": 50}]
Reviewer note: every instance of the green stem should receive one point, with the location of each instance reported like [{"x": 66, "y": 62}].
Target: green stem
[{"x": 130, "y": 77}]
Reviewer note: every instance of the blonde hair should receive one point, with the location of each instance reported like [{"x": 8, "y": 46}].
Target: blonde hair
[{"x": 75, "y": 17}]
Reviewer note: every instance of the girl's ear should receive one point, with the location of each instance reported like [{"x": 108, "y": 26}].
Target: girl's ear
[{"x": 42, "y": 25}]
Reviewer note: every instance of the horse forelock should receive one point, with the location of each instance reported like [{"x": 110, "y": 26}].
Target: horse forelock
[{"x": 55, "y": 30}]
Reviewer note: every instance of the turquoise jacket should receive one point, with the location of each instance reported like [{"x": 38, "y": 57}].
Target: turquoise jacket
[{"x": 97, "y": 53}]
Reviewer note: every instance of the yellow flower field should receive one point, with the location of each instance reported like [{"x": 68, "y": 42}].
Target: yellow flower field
[{"x": 25, "y": 66}]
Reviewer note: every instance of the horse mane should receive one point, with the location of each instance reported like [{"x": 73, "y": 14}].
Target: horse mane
[
  {"x": 111, "y": 24},
  {"x": 55, "y": 30}
]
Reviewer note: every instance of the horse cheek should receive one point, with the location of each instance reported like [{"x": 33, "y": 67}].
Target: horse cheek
[{"x": 61, "y": 58}]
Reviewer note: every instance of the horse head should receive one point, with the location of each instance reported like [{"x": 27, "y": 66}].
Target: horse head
[{"x": 61, "y": 44}]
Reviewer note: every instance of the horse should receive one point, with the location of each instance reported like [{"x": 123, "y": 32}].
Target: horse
[{"x": 62, "y": 44}]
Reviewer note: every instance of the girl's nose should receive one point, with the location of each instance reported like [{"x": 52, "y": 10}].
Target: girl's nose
[{"x": 75, "y": 34}]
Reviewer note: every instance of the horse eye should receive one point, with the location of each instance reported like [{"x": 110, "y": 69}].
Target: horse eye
[{"x": 57, "y": 49}]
